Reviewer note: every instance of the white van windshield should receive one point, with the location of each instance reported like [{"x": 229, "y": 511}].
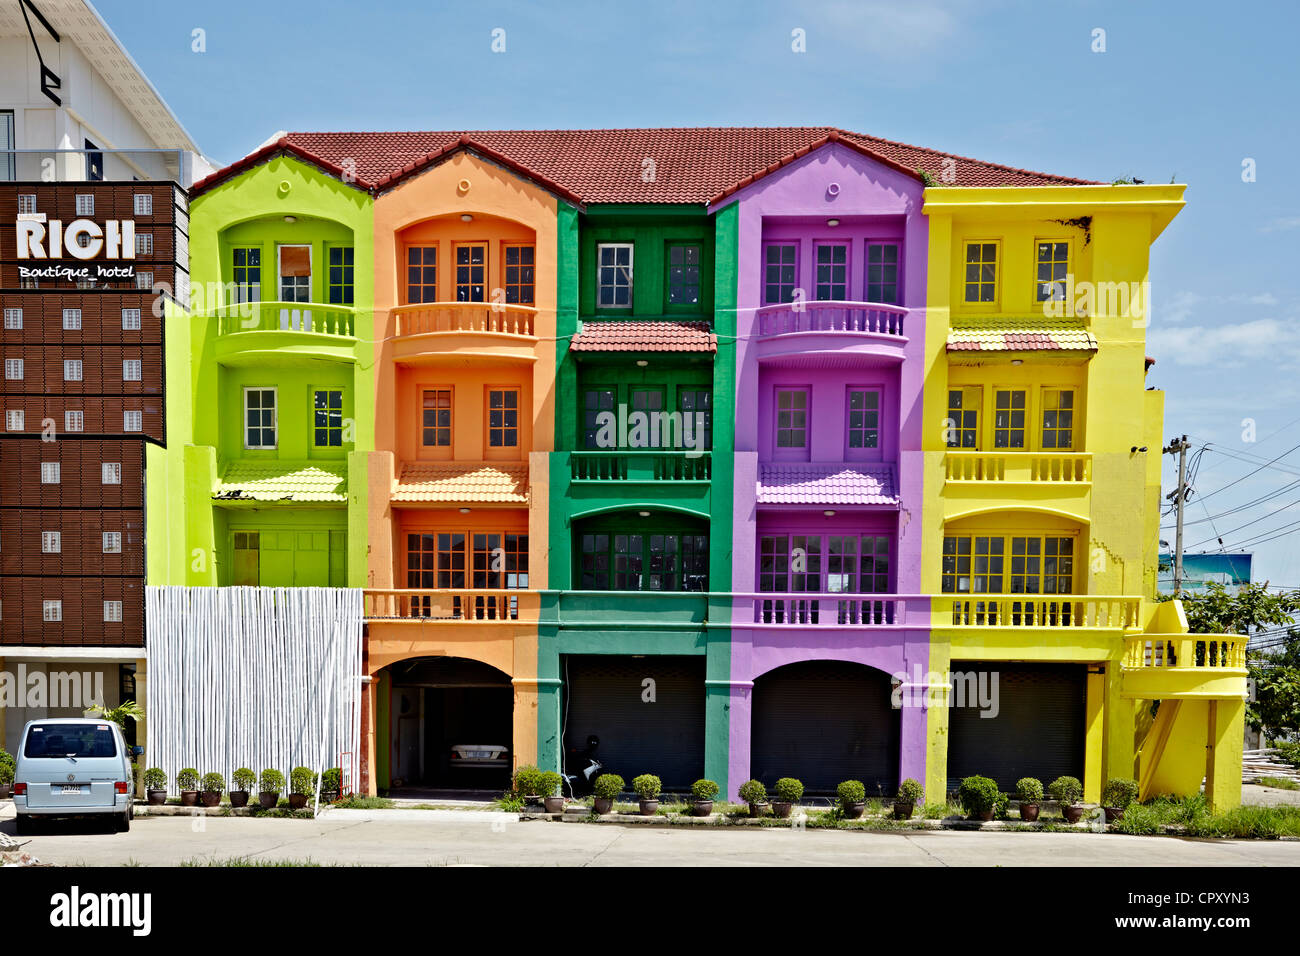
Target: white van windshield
[{"x": 70, "y": 740}]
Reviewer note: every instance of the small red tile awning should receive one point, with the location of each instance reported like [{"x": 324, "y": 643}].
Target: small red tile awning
[
  {"x": 653, "y": 336},
  {"x": 1011, "y": 338}
]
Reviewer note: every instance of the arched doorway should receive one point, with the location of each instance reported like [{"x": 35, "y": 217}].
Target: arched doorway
[
  {"x": 824, "y": 722},
  {"x": 451, "y": 724}
]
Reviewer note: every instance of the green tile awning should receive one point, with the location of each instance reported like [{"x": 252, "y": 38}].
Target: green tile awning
[{"x": 282, "y": 481}]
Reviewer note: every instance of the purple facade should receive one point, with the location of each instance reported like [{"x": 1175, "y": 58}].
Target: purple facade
[{"x": 826, "y": 557}]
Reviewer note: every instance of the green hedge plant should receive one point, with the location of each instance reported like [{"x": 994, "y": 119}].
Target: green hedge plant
[
  {"x": 607, "y": 786},
  {"x": 528, "y": 781},
  {"x": 788, "y": 790},
  {"x": 550, "y": 782},
  {"x": 978, "y": 795},
  {"x": 850, "y": 792},
  {"x": 910, "y": 791},
  {"x": 7, "y": 767},
  {"x": 213, "y": 783},
  {"x": 301, "y": 781},
  {"x": 1029, "y": 790},
  {"x": 647, "y": 786},
  {"x": 187, "y": 779},
  {"x": 271, "y": 781},
  {"x": 704, "y": 789},
  {"x": 243, "y": 779},
  {"x": 1067, "y": 791},
  {"x": 155, "y": 778},
  {"x": 753, "y": 792},
  {"x": 1119, "y": 792}
]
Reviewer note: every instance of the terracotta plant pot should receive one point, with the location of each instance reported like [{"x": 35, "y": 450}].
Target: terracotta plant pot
[
  {"x": 1072, "y": 814},
  {"x": 649, "y": 808},
  {"x": 268, "y": 800},
  {"x": 853, "y": 811},
  {"x": 903, "y": 810},
  {"x": 781, "y": 810},
  {"x": 984, "y": 816},
  {"x": 1113, "y": 814},
  {"x": 297, "y": 801},
  {"x": 758, "y": 809},
  {"x": 702, "y": 808},
  {"x": 210, "y": 798},
  {"x": 1029, "y": 812},
  {"x": 189, "y": 798},
  {"x": 239, "y": 798},
  {"x": 156, "y": 798},
  {"x": 603, "y": 805},
  {"x": 5, "y": 790},
  {"x": 554, "y": 804}
]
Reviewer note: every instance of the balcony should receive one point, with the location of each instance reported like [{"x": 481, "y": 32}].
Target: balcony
[
  {"x": 641, "y": 467},
  {"x": 101, "y": 165},
  {"x": 1018, "y": 467},
  {"x": 814, "y": 333},
  {"x": 433, "y": 332},
  {"x": 452, "y": 606},
  {"x": 1184, "y": 666},
  {"x": 834, "y": 610},
  {"x": 285, "y": 333},
  {"x": 1059, "y": 612},
  {"x": 977, "y": 481},
  {"x": 622, "y": 611}
]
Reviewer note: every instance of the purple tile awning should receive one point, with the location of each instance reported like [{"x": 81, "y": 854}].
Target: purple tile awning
[{"x": 802, "y": 483}]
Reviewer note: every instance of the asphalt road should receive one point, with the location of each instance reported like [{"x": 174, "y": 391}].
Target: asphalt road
[{"x": 440, "y": 838}]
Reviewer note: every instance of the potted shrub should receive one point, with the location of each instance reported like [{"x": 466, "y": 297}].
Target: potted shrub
[
  {"x": 788, "y": 791},
  {"x": 978, "y": 797},
  {"x": 551, "y": 796},
  {"x": 243, "y": 779},
  {"x": 187, "y": 781},
  {"x": 852, "y": 795},
  {"x": 704, "y": 791},
  {"x": 211, "y": 789},
  {"x": 155, "y": 786},
  {"x": 301, "y": 784},
  {"x": 1067, "y": 791},
  {"x": 1029, "y": 791},
  {"x": 269, "y": 785},
  {"x": 909, "y": 795},
  {"x": 755, "y": 794},
  {"x": 648, "y": 788},
  {"x": 1118, "y": 794},
  {"x": 606, "y": 788},
  {"x": 528, "y": 783},
  {"x": 7, "y": 767},
  {"x": 331, "y": 782}
]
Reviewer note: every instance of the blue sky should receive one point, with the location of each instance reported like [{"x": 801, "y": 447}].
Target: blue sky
[{"x": 1185, "y": 91}]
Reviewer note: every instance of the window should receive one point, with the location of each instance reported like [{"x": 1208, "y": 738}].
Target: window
[
  {"x": 131, "y": 370},
  {"x": 614, "y": 275},
  {"x": 436, "y": 422},
  {"x": 7, "y": 144},
  {"x": 132, "y": 421},
  {"x": 26, "y": 204},
  {"x": 245, "y": 554},
  {"x": 50, "y": 472},
  {"x": 693, "y": 402},
  {"x": 1058, "y": 419},
  {"x": 972, "y": 565},
  {"x": 962, "y": 425},
  {"x": 247, "y": 275},
  {"x": 471, "y": 272},
  {"x": 51, "y": 542},
  {"x": 683, "y": 274},
  {"x": 94, "y": 162},
  {"x": 144, "y": 243},
  {"x": 327, "y": 409},
  {"x": 1041, "y": 565},
  {"x": 1009, "y": 418},
  {"x": 791, "y": 418},
  {"x": 130, "y": 320},
  {"x": 644, "y": 561},
  {"x": 74, "y": 421},
  {"x": 110, "y": 473},
  {"x": 85, "y": 204},
  {"x": 28, "y": 283},
  {"x": 422, "y": 274},
  {"x": 503, "y": 418},
  {"x": 112, "y": 542},
  {"x": 500, "y": 560},
  {"x": 789, "y": 563},
  {"x": 72, "y": 320},
  {"x": 14, "y": 370},
  {"x": 51, "y": 611},
  {"x": 143, "y": 204},
  {"x": 259, "y": 418},
  {"x": 13, "y": 319},
  {"x": 882, "y": 272},
  {"x": 339, "y": 278},
  {"x": 519, "y": 277},
  {"x": 295, "y": 273},
  {"x": 1053, "y": 264},
  {"x": 595, "y": 401},
  {"x": 832, "y": 276},
  {"x": 73, "y": 370},
  {"x": 981, "y": 272},
  {"x": 144, "y": 280},
  {"x": 864, "y": 419},
  {"x": 780, "y": 272},
  {"x": 15, "y": 420},
  {"x": 113, "y": 609}
]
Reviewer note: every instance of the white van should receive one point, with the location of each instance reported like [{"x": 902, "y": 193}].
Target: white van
[{"x": 72, "y": 767}]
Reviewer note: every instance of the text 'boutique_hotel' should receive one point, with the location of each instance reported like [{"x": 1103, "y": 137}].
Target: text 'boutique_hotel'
[{"x": 754, "y": 452}]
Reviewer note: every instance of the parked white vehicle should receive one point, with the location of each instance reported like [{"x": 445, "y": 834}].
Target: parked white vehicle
[{"x": 72, "y": 767}]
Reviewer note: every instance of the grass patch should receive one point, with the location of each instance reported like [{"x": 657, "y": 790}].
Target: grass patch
[
  {"x": 248, "y": 861},
  {"x": 1192, "y": 816},
  {"x": 1278, "y": 783},
  {"x": 364, "y": 803}
]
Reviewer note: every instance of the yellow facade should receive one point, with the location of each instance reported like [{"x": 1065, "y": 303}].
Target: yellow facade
[{"x": 1012, "y": 474}]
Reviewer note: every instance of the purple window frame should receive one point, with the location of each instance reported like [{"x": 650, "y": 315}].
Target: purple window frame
[
  {"x": 847, "y": 246},
  {"x": 898, "y": 274},
  {"x": 863, "y": 454},
  {"x": 801, "y": 452},
  {"x": 779, "y": 243}
]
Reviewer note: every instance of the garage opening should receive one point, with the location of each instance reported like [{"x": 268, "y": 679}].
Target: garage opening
[
  {"x": 647, "y": 711},
  {"x": 452, "y": 725},
  {"x": 824, "y": 722},
  {"x": 1038, "y": 730}
]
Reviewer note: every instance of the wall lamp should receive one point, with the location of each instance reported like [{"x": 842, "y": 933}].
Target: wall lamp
[{"x": 1135, "y": 449}]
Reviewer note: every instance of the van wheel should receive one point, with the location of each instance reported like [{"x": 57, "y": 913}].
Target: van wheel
[
  {"x": 25, "y": 825},
  {"x": 123, "y": 823}
]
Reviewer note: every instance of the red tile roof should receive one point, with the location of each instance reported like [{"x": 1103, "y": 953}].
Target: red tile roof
[
  {"x": 653, "y": 336},
  {"x": 690, "y": 165},
  {"x": 1011, "y": 337},
  {"x": 457, "y": 482},
  {"x": 810, "y": 484}
]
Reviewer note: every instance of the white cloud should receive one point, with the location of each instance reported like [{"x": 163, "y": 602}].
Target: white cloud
[
  {"x": 1282, "y": 224},
  {"x": 891, "y": 29},
  {"x": 1228, "y": 344}
]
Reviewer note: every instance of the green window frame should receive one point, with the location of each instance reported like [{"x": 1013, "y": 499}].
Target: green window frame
[
  {"x": 246, "y": 274},
  {"x": 595, "y": 401},
  {"x": 692, "y": 401},
  {"x": 339, "y": 275},
  {"x": 682, "y": 282},
  {"x": 327, "y": 418},
  {"x": 622, "y": 559}
]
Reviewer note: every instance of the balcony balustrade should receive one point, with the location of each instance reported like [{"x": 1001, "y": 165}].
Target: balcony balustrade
[
  {"x": 834, "y": 610},
  {"x": 431, "y": 318},
  {"x": 872, "y": 318},
  {"x": 306, "y": 317},
  {"x": 1048, "y": 612},
  {"x": 1074, "y": 468},
  {"x": 640, "y": 466},
  {"x": 453, "y": 605}
]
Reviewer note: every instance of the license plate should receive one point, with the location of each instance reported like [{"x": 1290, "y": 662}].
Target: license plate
[
  {"x": 70, "y": 788},
  {"x": 480, "y": 754}
]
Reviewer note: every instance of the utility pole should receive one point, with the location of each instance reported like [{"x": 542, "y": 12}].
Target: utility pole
[{"x": 1179, "y": 495}]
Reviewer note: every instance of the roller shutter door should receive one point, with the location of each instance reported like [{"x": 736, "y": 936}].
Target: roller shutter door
[
  {"x": 603, "y": 696},
  {"x": 824, "y": 722},
  {"x": 1038, "y": 730}
]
